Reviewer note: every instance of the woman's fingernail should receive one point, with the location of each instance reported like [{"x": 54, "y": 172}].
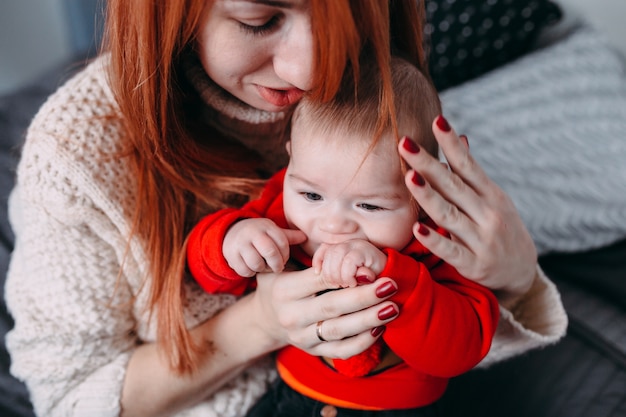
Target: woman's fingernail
[
  {"x": 363, "y": 279},
  {"x": 387, "y": 313},
  {"x": 418, "y": 179},
  {"x": 386, "y": 289},
  {"x": 443, "y": 124},
  {"x": 377, "y": 331},
  {"x": 410, "y": 146},
  {"x": 423, "y": 230},
  {"x": 465, "y": 140}
]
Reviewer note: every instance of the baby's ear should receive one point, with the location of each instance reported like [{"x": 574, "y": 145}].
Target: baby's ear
[{"x": 288, "y": 147}]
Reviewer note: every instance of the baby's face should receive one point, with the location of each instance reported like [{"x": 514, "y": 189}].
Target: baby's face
[{"x": 333, "y": 194}]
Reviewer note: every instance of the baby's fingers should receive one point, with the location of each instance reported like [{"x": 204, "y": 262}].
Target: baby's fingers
[
  {"x": 318, "y": 258},
  {"x": 270, "y": 257},
  {"x": 294, "y": 237},
  {"x": 364, "y": 275},
  {"x": 241, "y": 263},
  {"x": 335, "y": 270}
]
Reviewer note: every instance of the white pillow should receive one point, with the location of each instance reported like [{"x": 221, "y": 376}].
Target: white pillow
[
  {"x": 550, "y": 129},
  {"x": 606, "y": 16}
]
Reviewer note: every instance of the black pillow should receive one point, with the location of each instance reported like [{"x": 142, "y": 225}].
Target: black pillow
[{"x": 466, "y": 38}]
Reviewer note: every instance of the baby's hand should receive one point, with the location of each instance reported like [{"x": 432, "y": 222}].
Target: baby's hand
[
  {"x": 258, "y": 245},
  {"x": 348, "y": 263}
]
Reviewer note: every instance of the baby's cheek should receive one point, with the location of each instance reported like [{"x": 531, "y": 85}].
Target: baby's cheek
[{"x": 397, "y": 236}]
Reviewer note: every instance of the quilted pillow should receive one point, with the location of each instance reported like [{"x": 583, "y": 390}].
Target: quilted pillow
[{"x": 467, "y": 38}]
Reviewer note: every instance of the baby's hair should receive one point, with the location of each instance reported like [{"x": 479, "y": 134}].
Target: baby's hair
[{"x": 355, "y": 109}]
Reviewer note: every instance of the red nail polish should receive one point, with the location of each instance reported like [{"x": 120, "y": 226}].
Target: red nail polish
[
  {"x": 387, "y": 313},
  {"x": 418, "y": 179},
  {"x": 443, "y": 124},
  {"x": 410, "y": 146},
  {"x": 363, "y": 279},
  {"x": 423, "y": 230},
  {"x": 377, "y": 331},
  {"x": 385, "y": 290}
]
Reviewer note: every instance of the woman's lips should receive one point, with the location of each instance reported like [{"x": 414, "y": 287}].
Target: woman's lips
[{"x": 280, "y": 98}]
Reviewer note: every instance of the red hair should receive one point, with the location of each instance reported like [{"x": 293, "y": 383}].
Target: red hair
[{"x": 175, "y": 163}]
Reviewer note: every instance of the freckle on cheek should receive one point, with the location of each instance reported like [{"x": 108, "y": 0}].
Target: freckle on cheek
[{"x": 209, "y": 347}]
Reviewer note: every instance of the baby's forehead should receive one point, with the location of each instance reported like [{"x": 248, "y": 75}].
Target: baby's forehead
[
  {"x": 333, "y": 135},
  {"x": 346, "y": 152}
]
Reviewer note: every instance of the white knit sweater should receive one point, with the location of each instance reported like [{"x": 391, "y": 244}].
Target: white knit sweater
[{"x": 76, "y": 324}]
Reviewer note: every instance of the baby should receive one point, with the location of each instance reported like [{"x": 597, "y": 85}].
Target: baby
[{"x": 341, "y": 206}]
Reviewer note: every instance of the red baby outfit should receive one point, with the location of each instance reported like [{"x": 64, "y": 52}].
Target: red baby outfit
[{"x": 444, "y": 329}]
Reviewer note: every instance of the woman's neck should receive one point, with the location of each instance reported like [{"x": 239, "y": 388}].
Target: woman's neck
[{"x": 262, "y": 131}]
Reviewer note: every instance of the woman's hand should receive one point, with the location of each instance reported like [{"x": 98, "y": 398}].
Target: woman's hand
[
  {"x": 489, "y": 243},
  {"x": 289, "y": 309}
]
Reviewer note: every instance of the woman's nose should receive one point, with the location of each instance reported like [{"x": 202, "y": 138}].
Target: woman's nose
[{"x": 293, "y": 57}]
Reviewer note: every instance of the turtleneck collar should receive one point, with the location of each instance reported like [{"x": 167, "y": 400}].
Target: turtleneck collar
[{"x": 259, "y": 130}]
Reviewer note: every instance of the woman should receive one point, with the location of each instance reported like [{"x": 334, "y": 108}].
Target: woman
[{"x": 182, "y": 115}]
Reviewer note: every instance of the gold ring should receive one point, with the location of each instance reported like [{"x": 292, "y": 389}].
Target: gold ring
[{"x": 318, "y": 331}]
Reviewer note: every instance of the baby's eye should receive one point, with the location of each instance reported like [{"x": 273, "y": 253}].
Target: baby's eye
[
  {"x": 370, "y": 207},
  {"x": 262, "y": 28},
  {"x": 311, "y": 196}
]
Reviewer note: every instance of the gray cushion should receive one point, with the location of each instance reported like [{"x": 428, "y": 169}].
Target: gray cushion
[
  {"x": 470, "y": 37},
  {"x": 550, "y": 128}
]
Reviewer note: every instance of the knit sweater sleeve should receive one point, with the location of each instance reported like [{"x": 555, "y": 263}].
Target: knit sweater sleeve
[
  {"x": 73, "y": 329},
  {"x": 537, "y": 319},
  {"x": 74, "y": 321},
  {"x": 446, "y": 321}
]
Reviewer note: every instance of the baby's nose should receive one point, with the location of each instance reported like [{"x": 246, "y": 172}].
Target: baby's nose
[{"x": 338, "y": 223}]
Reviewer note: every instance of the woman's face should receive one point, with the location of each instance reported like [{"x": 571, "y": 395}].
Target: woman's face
[{"x": 260, "y": 51}]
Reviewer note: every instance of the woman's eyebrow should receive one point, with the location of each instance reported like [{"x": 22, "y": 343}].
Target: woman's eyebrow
[{"x": 274, "y": 3}]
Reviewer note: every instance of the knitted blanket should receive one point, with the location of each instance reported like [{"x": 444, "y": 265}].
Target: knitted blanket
[{"x": 550, "y": 129}]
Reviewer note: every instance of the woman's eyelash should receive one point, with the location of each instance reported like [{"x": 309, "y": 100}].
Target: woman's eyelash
[{"x": 261, "y": 29}]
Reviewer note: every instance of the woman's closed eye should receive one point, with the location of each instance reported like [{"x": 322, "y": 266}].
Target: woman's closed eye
[{"x": 261, "y": 28}]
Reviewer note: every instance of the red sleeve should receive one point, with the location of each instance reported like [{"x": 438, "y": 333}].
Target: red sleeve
[
  {"x": 446, "y": 321},
  {"x": 205, "y": 259}
]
